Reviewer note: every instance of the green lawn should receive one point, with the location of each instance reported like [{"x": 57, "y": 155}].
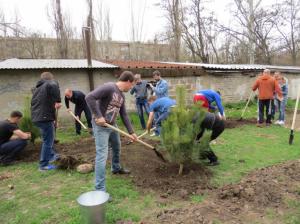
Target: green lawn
[{"x": 50, "y": 197}]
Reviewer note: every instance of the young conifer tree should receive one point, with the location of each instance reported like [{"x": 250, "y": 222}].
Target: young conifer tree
[
  {"x": 26, "y": 124},
  {"x": 180, "y": 129}
]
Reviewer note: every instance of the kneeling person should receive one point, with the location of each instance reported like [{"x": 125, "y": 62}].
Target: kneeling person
[{"x": 12, "y": 139}]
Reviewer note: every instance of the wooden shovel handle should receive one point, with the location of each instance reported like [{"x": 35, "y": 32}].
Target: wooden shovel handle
[
  {"x": 128, "y": 135},
  {"x": 76, "y": 118},
  {"x": 146, "y": 132},
  {"x": 295, "y": 111},
  {"x": 250, "y": 97}
]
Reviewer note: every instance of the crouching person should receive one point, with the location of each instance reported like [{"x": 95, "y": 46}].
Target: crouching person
[
  {"x": 12, "y": 139},
  {"x": 160, "y": 109},
  {"x": 216, "y": 125}
]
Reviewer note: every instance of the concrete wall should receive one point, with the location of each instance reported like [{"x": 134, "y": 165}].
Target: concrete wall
[
  {"x": 16, "y": 85},
  {"x": 234, "y": 87}
]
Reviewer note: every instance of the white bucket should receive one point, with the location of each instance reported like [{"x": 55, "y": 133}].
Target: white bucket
[{"x": 92, "y": 206}]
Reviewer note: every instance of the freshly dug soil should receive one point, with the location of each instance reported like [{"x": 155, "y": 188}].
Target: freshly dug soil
[
  {"x": 233, "y": 123},
  {"x": 148, "y": 172},
  {"x": 244, "y": 202}
]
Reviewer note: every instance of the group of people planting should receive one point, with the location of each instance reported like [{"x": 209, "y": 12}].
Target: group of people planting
[{"x": 102, "y": 106}]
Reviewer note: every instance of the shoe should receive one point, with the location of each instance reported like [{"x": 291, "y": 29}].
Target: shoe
[
  {"x": 213, "y": 163},
  {"x": 121, "y": 171},
  {"x": 277, "y": 122},
  {"x": 260, "y": 125},
  {"x": 46, "y": 168},
  {"x": 54, "y": 158},
  {"x": 281, "y": 123}
]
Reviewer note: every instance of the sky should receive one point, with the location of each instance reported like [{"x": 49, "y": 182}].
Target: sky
[{"x": 33, "y": 15}]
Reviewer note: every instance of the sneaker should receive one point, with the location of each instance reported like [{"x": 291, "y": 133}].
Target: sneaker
[
  {"x": 49, "y": 167},
  {"x": 281, "y": 123},
  {"x": 121, "y": 171},
  {"x": 277, "y": 122}
]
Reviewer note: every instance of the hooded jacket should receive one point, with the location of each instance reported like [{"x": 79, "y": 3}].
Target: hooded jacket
[
  {"x": 267, "y": 86},
  {"x": 45, "y": 95}
]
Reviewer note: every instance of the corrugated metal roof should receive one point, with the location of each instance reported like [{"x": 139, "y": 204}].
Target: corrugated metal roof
[
  {"x": 125, "y": 64},
  {"x": 239, "y": 66},
  {"x": 15, "y": 63}
]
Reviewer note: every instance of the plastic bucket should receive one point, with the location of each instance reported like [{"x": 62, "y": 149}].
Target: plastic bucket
[{"x": 92, "y": 205}]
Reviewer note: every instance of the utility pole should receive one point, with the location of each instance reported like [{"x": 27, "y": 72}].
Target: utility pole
[
  {"x": 251, "y": 32},
  {"x": 87, "y": 36}
]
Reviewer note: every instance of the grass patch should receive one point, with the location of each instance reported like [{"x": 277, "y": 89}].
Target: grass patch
[
  {"x": 50, "y": 197},
  {"x": 247, "y": 148}
]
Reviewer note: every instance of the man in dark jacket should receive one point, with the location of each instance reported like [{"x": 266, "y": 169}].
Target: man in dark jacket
[
  {"x": 44, "y": 103},
  {"x": 141, "y": 95},
  {"x": 78, "y": 98}
]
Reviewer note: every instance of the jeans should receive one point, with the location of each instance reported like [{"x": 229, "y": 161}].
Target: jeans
[
  {"x": 159, "y": 118},
  {"x": 10, "y": 149},
  {"x": 47, "y": 151},
  {"x": 88, "y": 116},
  {"x": 265, "y": 104},
  {"x": 103, "y": 137},
  {"x": 141, "y": 107},
  {"x": 281, "y": 108}
]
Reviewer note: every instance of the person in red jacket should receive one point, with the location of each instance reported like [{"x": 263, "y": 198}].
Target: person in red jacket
[{"x": 267, "y": 86}]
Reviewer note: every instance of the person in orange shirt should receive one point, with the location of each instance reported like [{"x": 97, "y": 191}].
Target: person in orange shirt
[{"x": 267, "y": 86}]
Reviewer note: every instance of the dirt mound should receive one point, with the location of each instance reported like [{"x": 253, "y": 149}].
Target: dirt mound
[
  {"x": 148, "y": 172},
  {"x": 240, "y": 203},
  {"x": 233, "y": 123}
]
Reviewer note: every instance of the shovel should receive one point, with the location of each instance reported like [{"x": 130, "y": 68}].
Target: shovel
[
  {"x": 138, "y": 140},
  {"x": 77, "y": 119},
  {"x": 146, "y": 132},
  {"x": 250, "y": 97},
  {"x": 294, "y": 119}
]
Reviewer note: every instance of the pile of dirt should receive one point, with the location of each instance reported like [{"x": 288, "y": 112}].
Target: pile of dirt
[
  {"x": 148, "y": 172},
  {"x": 239, "y": 203},
  {"x": 233, "y": 123}
]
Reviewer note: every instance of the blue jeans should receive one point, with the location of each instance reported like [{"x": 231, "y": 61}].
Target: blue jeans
[
  {"x": 47, "y": 152},
  {"x": 281, "y": 108},
  {"x": 103, "y": 137},
  {"x": 160, "y": 117},
  {"x": 141, "y": 107},
  {"x": 10, "y": 149}
]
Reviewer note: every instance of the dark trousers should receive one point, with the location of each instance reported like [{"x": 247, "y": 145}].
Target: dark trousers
[
  {"x": 88, "y": 116},
  {"x": 141, "y": 107},
  {"x": 217, "y": 126},
  {"x": 10, "y": 149},
  {"x": 265, "y": 106}
]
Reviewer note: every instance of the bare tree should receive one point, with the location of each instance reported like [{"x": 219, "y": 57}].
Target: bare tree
[
  {"x": 199, "y": 32},
  {"x": 174, "y": 11},
  {"x": 255, "y": 23},
  {"x": 91, "y": 23},
  {"x": 103, "y": 28},
  {"x": 34, "y": 45},
  {"x": 62, "y": 28},
  {"x": 288, "y": 26}
]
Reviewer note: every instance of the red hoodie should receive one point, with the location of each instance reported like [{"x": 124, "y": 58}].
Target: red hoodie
[{"x": 267, "y": 86}]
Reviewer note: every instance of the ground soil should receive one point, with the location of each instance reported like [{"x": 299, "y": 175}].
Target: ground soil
[{"x": 243, "y": 202}]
